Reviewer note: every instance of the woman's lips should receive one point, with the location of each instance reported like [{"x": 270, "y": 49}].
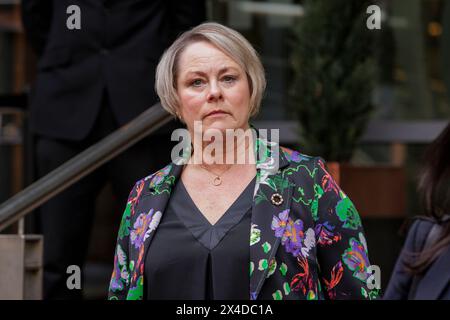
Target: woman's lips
[{"x": 216, "y": 113}]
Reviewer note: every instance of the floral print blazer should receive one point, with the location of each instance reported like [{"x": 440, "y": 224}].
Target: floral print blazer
[{"x": 306, "y": 242}]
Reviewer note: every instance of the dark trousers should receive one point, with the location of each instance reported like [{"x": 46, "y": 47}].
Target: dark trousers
[{"x": 66, "y": 220}]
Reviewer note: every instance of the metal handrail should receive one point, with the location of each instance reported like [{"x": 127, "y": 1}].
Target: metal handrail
[{"x": 81, "y": 165}]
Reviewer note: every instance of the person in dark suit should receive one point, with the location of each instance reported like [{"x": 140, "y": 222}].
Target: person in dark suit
[
  {"x": 422, "y": 271},
  {"x": 92, "y": 79}
]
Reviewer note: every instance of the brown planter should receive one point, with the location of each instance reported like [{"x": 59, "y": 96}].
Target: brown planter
[{"x": 376, "y": 191}]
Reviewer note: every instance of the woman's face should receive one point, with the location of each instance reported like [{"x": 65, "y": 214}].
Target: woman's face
[{"x": 212, "y": 88}]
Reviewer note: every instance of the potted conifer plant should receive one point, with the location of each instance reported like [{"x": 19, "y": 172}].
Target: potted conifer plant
[{"x": 333, "y": 77}]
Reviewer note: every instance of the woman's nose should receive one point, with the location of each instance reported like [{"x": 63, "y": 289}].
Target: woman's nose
[{"x": 215, "y": 92}]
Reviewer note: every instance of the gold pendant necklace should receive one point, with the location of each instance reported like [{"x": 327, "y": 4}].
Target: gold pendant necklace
[{"x": 217, "y": 181}]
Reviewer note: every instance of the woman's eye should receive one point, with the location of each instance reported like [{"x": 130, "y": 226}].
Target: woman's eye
[
  {"x": 197, "y": 82},
  {"x": 229, "y": 79}
]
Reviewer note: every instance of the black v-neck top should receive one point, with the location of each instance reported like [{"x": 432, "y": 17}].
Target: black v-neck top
[{"x": 189, "y": 258}]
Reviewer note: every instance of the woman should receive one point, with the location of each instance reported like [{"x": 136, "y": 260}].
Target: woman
[
  {"x": 234, "y": 231},
  {"x": 423, "y": 268}
]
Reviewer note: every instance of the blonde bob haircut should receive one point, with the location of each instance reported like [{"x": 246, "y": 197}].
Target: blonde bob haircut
[{"x": 225, "y": 39}]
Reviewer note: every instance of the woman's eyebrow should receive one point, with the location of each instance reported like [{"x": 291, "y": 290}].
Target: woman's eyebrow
[
  {"x": 202, "y": 73},
  {"x": 226, "y": 69},
  {"x": 195, "y": 72}
]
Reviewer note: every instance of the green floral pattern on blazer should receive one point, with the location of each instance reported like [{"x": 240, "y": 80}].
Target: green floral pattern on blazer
[{"x": 306, "y": 243}]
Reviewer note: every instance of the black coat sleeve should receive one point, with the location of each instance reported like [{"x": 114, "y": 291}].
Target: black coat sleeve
[{"x": 36, "y": 19}]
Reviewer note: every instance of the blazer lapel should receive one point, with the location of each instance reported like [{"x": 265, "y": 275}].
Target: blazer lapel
[
  {"x": 154, "y": 199},
  {"x": 158, "y": 197},
  {"x": 436, "y": 279},
  {"x": 271, "y": 203}
]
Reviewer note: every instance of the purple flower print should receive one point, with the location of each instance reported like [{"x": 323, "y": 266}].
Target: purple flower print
[
  {"x": 116, "y": 281},
  {"x": 293, "y": 237},
  {"x": 159, "y": 177},
  {"x": 279, "y": 223},
  {"x": 290, "y": 232},
  {"x": 294, "y": 156},
  {"x": 326, "y": 236},
  {"x": 355, "y": 258},
  {"x": 137, "y": 235}
]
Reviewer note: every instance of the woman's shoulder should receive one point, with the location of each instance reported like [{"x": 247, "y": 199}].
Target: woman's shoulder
[
  {"x": 294, "y": 156},
  {"x": 422, "y": 223},
  {"x": 152, "y": 180},
  {"x": 313, "y": 164},
  {"x": 420, "y": 227}
]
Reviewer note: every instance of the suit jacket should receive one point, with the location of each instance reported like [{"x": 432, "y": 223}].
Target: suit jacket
[
  {"x": 434, "y": 284},
  {"x": 306, "y": 242},
  {"x": 117, "y": 49}
]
